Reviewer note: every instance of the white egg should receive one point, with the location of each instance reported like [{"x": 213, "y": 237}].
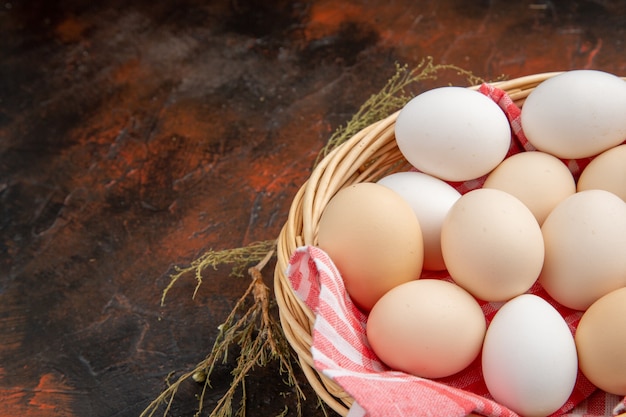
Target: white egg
[
  {"x": 431, "y": 199},
  {"x": 529, "y": 357},
  {"x": 576, "y": 114},
  {"x": 453, "y": 133}
]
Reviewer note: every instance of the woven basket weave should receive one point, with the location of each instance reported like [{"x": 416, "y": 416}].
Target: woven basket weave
[{"x": 367, "y": 156}]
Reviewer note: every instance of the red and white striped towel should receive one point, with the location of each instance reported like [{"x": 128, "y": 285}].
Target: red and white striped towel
[{"x": 341, "y": 351}]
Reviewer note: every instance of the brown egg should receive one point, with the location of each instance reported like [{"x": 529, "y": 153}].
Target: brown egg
[
  {"x": 584, "y": 248},
  {"x": 538, "y": 179},
  {"x": 374, "y": 238},
  {"x": 601, "y": 342},
  {"x": 607, "y": 172},
  {"x": 429, "y": 328},
  {"x": 492, "y": 245}
]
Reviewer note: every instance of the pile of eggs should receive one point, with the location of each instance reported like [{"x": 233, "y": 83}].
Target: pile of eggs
[{"x": 530, "y": 224}]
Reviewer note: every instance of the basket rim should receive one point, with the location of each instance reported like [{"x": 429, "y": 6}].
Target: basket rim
[{"x": 347, "y": 163}]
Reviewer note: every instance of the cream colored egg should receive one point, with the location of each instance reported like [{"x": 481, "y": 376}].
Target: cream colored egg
[
  {"x": 585, "y": 247},
  {"x": 492, "y": 245},
  {"x": 373, "y": 237},
  {"x": 601, "y": 342},
  {"x": 606, "y": 171},
  {"x": 538, "y": 179},
  {"x": 429, "y": 328},
  {"x": 576, "y": 114},
  {"x": 431, "y": 199}
]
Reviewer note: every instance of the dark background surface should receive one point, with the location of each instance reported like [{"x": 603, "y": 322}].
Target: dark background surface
[{"x": 136, "y": 135}]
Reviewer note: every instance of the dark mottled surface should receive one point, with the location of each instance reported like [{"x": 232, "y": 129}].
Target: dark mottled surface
[{"x": 134, "y": 136}]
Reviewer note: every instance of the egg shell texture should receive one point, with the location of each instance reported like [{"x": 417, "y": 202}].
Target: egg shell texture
[
  {"x": 585, "y": 247},
  {"x": 492, "y": 245},
  {"x": 529, "y": 357},
  {"x": 606, "y": 172},
  {"x": 374, "y": 239},
  {"x": 453, "y": 133},
  {"x": 576, "y": 114},
  {"x": 601, "y": 342},
  {"x": 428, "y": 328},
  {"x": 537, "y": 179}
]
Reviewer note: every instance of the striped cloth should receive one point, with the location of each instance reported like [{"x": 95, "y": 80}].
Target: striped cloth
[{"x": 341, "y": 351}]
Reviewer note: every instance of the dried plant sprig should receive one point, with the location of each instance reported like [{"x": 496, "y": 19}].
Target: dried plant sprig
[
  {"x": 260, "y": 340},
  {"x": 238, "y": 257},
  {"x": 392, "y": 97},
  {"x": 252, "y": 328}
]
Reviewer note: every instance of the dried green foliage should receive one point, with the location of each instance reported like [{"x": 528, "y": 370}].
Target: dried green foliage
[
  {"x": 392, "y": 97},
  {"x": 238, "y": 257},
  {"x": 260, "y": 340},
  {"x": 250, "y": 326}
]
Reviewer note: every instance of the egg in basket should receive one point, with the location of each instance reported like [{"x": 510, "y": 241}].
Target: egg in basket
[{"x": 466, "y": 255}]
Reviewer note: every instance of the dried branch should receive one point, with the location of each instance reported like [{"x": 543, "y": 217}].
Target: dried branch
[
  {"x": 238, "y": 257},
  {"x": 250, "y": 326},
  {"x": 392, "y": 97},
  {"x": 259, "y": 337}
]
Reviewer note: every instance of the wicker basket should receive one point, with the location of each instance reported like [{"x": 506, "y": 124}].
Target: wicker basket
[{"x": 367, "y": 156}]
